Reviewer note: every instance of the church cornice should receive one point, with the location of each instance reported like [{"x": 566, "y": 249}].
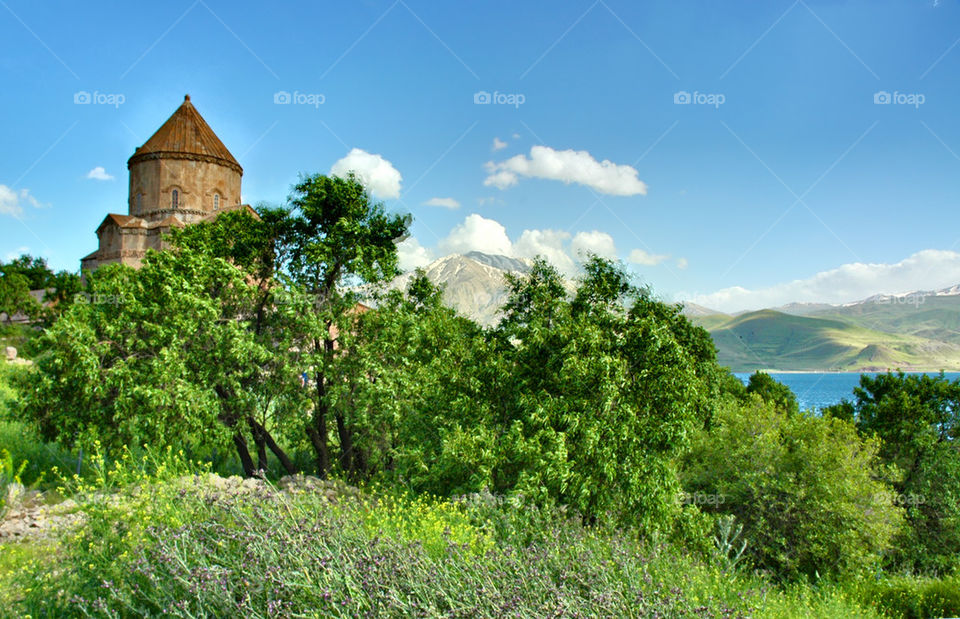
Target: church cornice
[{"x": 160, "y": 155}]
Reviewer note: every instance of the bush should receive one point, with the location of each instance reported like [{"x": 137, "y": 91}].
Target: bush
[
  {"x": 916, "y": 598},
  {"x": 39, "y": 459},
  {"x": 801, "y": 486},
  {"x": 10, "y": 486},
  {"x": 158, "y": 538}
]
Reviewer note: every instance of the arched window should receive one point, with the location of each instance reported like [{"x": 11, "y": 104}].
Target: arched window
[
  {"x": 216, "y": 201},
  {"x": 139, "y": 201},
  {"x": 175, "y": 199}
]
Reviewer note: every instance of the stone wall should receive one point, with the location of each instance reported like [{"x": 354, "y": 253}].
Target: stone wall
[{"x": 197, "y": 181}]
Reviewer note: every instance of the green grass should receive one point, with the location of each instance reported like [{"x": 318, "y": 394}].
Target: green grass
[
  {"x": 185, "y": 547},
  {"x": 25, "y": 446},
  {"x": 161, "y": 536}
]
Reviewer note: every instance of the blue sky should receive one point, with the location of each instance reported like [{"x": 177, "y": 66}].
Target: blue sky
[{"x": 816, "y": 160}]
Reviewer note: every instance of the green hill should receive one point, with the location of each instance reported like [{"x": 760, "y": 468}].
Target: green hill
[
  {"x": 930, "y": 317},
  {"x": 769, "y": 339}
]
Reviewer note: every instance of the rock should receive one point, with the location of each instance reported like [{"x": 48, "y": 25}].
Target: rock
[{"x": 11, "y": 353}]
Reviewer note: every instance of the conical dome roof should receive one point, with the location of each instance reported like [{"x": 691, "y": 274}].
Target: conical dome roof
[{"x": 185, "y": 135}]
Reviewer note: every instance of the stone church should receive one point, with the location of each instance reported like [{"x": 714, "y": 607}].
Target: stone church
[{"x": 182, "y": 175}]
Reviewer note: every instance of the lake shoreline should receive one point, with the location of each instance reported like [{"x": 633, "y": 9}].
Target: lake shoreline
[{"x": 817, "y": 390}]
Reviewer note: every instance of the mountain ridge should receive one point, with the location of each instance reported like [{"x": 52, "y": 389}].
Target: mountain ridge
[{"x": 918, "y": 330}]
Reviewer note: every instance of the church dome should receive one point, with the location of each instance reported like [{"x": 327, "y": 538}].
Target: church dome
[{"x": 185, "y": 135}]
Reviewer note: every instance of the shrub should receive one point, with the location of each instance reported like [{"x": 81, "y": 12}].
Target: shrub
[
  {"x": 916, "y": 598},
  {"x": 10, "y": 486},
  {"x": 160, "y": 536},
  {"x": 801, "y": 486}
]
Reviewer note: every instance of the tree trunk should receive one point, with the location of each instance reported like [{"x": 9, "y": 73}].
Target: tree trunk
[
  {"x": 245, "y": 460},
  {"x": 281, "y": 455},
  {"x": 262, "y": 464},
  {"x": 346, "y": 445},
  {"x": 317, "y": 432}
]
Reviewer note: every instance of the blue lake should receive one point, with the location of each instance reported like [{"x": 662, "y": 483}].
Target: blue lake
[{"x": 819, "y": 389}]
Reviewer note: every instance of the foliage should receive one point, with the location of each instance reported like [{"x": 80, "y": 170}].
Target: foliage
[
  {"x": 592, "y": 401},
  {"x": 411, "y": 389},
  {"x": 10, "y": 481},
  {"x": 918, "y": 419},
  {"x": 156, "y": 358},
  {"x": 773, "y": 392},
  {"x": 21, "y": 275},
  {"x": 9, "y": 374},
  {"x": 164, "y": 543},
  {"x": 802, "y": 486},
  {"x": 911, "y": 597},
  {"x": 39, "y": 458},
  {"x": 575, "y": 401}
]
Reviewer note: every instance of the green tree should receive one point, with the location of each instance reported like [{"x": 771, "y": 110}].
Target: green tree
[
  {"x": 917, "y": 417},
  {"x": 773, "y": 392},
  {"x": 21, "y": 275},
  {"x": 157, "y": 356},
  {"x": 593, "y": 400},
  {"x": 15, "y": 296},
  {"x": 336, "y": 238},
  {"x": 410, "y": 380},
  {"x": 803, "y": 487},
  {"x": 253, "y": 243}
]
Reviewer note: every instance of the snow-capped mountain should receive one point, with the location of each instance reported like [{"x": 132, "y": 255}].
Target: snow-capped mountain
[{"x": 474, "y": 283}]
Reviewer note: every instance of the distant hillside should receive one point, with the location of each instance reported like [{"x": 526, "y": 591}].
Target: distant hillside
[
  {"x": 932, "y": 316},
  {"x": 859, "y": 337},
  {"x": 918, "y": 331}
]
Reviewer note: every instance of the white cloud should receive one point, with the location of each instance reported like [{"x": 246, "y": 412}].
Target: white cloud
[
  {"x": 548, "y": 244},
  {"x": 13, "y": 201},
  {"x": 929, "y": 269},
  {"x": 412, "y": 255},
  {"x": 477, "y": 233},
  {"x": 558, "y": 247},
  {"x": 377, "y": 174},
  {"x": 569, "y": 166},
  {"x": 13, "y": 255},
  {"x": 99, "y": 174},
  {"x": 449, "y": 203},
  {"x": 498, "y": 144},
  {"x": 682, "y": 263},
  {"x": 516, "y": 136},
  {"x": 595, "y": 242},
  {"x": 639, "y": 256}
]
